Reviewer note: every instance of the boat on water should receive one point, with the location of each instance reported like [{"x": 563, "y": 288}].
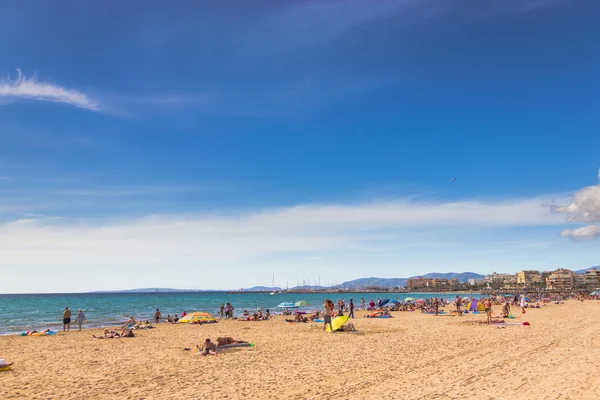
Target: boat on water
[{"x": 273, "y": 293}]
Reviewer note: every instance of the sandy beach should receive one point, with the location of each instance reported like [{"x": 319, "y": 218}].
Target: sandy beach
[{"x": 412, "y": 355}]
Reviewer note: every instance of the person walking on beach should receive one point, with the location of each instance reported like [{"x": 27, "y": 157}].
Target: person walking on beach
[
  {"x": 67, "y": 320},
  {"x": 436, "y": 305},
  {"x": 458, "y": 303},
  {"x": 157, "y": 316},
  {"x": 222, "y": 311},
  {"x": 351, "y": 308},
  {"x": 362, "y": 303},
  {"x": 80, "y": 318},
  {"x": 327, "y": 312}
]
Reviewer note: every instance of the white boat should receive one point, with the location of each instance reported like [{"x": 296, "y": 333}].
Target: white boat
[
  {"x": 287, "y": 305},
  {"x": 273, "y": 293}
]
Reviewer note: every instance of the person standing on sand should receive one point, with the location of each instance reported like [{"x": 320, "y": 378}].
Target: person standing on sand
[
  {"x": 80, "y": 319},
  {"x": 327, "y": 313},
  {"x": 67, "y": 320},
  {"x": 436, "y": 304},
  {"x": 351, "y": 308},
  {"x": 487, "y": 304},
  {"x": 458, "y": 303},
  {"x": 222, "y": 311},
  {"x": 362, "y": 303},
  {"x": 157, "y": 316}
]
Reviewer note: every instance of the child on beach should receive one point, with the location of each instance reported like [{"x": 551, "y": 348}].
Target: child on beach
[{"x": 327, "y": 313}]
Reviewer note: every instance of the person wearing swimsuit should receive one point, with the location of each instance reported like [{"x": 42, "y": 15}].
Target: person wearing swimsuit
[{"x": 327, "y": 312}]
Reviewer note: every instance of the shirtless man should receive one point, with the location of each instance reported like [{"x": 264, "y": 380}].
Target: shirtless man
[
  {"x": 458, "y": 303},
  {"x": 66, "y": 319},
  {"x": 157, "y": 316},
  {"x": 207, "y": 348}
]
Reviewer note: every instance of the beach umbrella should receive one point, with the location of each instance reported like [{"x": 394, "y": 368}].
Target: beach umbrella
[
  {"x": 394, "y": 301},
  {"x": 420, "y": 301},
  {"x": 302, "y": 303},
  {"x": 383, "y": 303},
  {"x": 409, "y": 299},
  {"x": 197, "y": 317}
]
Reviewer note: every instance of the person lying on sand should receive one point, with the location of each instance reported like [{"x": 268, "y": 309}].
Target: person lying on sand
[
  {"x": 208, "y": 348},
  {"x": 228, "y": 340},
  {"x": 349, "y": 327},
  {"x": 4, "y": 364}
]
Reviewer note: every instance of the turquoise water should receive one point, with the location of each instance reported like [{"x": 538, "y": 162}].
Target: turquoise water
[{"x": 22, "y": 312}]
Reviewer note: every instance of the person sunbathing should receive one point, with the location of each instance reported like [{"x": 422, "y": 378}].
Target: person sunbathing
[
  {"x": 130, "y": 322},
  {"x": 4, "y": 364},
  {"x": 349, "y": 327},
  {"x": 107, "y": 335},
  {"x": 208, "y": 348},
  {"x": 228, "y": 340}
]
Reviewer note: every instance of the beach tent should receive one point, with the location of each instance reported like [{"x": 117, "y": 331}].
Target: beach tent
[
  {"x": 302, "y": 303},
  {"x": 337, "y": 322},
  {"x": 287, "y": 305},
  {"x": 197, "y": 317},
  {"x": 475, "y": 306},
  {"x": 383, "y": 303}
]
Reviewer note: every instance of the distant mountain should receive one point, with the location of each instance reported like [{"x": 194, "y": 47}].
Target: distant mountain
[
  {"x": 582, "y": 271},
  {"x": 261, "y": 289},
  {"x": 395, "y": 282},
  {"x": 373, "y": 282},
  {"x": 154, "y": 290},
  {"x": 462, "y": 276}
]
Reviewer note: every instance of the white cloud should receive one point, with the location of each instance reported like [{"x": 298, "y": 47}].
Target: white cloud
[
  {"x": 24, "y": 88},
  {"x": 175, "y": 240},
  {"x": 587, "y": 232},
  {"x": 584, "y": 208}
]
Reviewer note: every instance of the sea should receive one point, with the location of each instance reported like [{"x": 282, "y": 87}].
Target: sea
[{"x": 23, "y": 312}]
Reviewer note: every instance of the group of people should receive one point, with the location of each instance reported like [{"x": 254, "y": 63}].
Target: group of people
[
  {"x": 79, "y": 319},
  {"x": 256, "y": 316},
  {"x": 226, "y": 311},
  {"x": 173, "y": 320}
]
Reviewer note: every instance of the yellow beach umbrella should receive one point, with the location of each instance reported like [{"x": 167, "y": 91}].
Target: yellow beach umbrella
[{"x": 198, "y": 317}]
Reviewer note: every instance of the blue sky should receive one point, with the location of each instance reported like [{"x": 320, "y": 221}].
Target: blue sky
[{"x": 208, "y": 146}]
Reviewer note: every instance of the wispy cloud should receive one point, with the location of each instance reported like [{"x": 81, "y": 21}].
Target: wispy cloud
[
  {"x": 24, "y": 88},
  {"x": 240, "y": 236},
  {"x": 584, "y": 209}
]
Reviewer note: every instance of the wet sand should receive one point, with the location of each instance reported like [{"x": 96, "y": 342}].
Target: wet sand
[{"x": 413, "y": 356}]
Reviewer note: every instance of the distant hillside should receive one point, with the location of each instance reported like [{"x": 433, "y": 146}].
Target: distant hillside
[
  {"x": 582, "y": 271},
  {"x": 153, "y": 290},
  {"x": 462, "y": 276},
  {"x": 261, "y": 289},
  {"x": 395, "y": 282},
  {"x": 373, "y": 282}
]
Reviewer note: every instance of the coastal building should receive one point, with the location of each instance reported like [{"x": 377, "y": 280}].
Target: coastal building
[
  {"x": 592, "y": 278},
  {"x": 561, "y": 279},
  {"x": 420, "y": 283},
  {"x": 475, "y": 282},
  {"x": 529, "y": 279},
  {"x": 501, "y": 280}
]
